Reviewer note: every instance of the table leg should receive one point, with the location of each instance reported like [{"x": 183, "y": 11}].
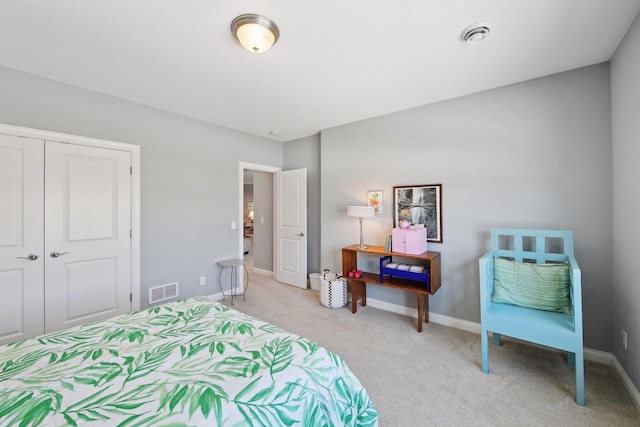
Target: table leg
[
  {"x": 358, "y": 291},
  {"x": 246, "y": 286},
  {"x": 426, "y": 309},
  {"x": 420, "y": 311},
  {"x": 355, "y": 292},
  {"x": 363, "y": 294},
  {"x": 220, "y": 283},
  {"x": 234, "y": 283}
]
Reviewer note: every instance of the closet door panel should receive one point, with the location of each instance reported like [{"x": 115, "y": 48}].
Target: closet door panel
[
  {"x": 89, "y": 286},
  {"x": 87, "y": 234},
  {"x": 91, "y": 196},
  {"x": 21, "y": 233}
]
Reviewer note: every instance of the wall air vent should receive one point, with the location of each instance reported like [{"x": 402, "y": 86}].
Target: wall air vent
[{"x": 163, "y": 292}]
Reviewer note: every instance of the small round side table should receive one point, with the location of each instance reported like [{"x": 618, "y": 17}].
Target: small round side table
[{"x": 234, "y": 264}]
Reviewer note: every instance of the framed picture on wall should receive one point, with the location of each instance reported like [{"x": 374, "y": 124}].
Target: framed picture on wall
[
  {"x": 374, "y": 199},
  {"x": 419, "y": 204}
]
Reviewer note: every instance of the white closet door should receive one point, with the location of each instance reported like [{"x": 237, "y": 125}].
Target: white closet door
[
  {"x": 21, "y": 230},
  {"x": 87, "y": 234}
]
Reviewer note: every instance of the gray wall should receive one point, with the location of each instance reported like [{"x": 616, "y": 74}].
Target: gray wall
[
  {"x": 625, "y": 112},
  {"x": 263, "y": 221},
  {"x": 531, "y": 155},
  {"x": 189, "y": 172},
  {"x": 305, "y": 153}
]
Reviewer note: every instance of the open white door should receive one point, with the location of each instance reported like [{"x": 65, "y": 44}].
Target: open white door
[{"x": 291, "y": 227}]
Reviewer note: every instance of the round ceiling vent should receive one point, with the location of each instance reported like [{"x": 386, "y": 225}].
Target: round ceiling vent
[{"x": 475, "y": 33}]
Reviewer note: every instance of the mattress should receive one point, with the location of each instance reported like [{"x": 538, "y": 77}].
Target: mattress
[{"x": 190, "y": 362}]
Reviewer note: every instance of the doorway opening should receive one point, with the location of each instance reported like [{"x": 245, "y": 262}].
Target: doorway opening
[{"x": 256, "y": 212}]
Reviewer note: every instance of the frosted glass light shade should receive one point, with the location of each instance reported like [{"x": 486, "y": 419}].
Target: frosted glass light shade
[
  {"x": 255, "y": 33},
  {"x": 361, "y": 211}
]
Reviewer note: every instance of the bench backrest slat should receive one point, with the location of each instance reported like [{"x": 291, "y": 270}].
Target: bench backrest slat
[{"x": 539, "y": 246}]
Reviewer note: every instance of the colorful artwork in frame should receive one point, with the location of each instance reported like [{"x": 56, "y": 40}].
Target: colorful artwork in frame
[
  {"x": 374, "y": 199},
  {"x": 419, "y": 204}
]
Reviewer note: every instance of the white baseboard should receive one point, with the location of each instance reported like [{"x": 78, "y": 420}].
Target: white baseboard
[
  {"x": 215, "y": 297},
  {"x": 263, "y": 272},
  {"x": 219, "y": 296},
  {"x": 466, "y": 325},
  {"x": 440, "y": 319},
  {"x": 626, "y": 381},
  {"x": 599, "y": 356}
]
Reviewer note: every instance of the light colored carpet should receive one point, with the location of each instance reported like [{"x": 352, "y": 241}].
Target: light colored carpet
[{"x": 434, "y": 377}]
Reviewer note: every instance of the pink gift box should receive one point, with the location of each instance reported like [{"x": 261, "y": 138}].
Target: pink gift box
[{"x": 409, "y": 240}]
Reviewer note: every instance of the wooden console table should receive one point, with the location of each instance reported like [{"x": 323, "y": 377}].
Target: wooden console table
[{"x": 359, "y": 286}]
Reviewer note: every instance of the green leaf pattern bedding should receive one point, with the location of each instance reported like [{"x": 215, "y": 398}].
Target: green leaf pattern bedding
[{"x": 192, "y": 362}]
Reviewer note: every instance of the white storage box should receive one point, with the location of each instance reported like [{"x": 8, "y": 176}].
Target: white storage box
[
  {"x": 333, "y": 291},
  {"x": 314, "y": 281}
]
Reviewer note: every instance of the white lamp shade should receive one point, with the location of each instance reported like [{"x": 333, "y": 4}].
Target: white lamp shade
[{"x": 361, "y": 211}]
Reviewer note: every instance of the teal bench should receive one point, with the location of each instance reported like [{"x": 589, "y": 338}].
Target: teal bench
[{"x": 559, "y": 330}]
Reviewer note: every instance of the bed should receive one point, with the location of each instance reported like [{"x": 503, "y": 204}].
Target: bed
[{"x": 190, "y": 362}]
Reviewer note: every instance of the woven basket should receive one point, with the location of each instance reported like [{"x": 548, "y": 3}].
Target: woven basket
[{"x": 333, "y": 291}]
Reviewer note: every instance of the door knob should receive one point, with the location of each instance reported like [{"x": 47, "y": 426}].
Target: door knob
[
  {"x": 30, "y": 257},
  {"x": 55, "y": 254},
  {"x": 300, "y": 234}
]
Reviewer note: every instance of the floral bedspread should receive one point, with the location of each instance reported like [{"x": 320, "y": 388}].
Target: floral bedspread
[{"x": 192, "y": 362}]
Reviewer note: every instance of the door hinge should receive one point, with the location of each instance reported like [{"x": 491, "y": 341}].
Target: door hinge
[
  {"x": 130, "y": 233},
  {"x": 130, "y": 170},
  {"x": 131, "y": 297}
]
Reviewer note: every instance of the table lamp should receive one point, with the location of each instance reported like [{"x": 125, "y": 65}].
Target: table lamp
[{"x": 361, "y": 212}]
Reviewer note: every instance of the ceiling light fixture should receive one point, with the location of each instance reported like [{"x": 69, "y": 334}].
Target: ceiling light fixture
[
  {"x": 255, "y": 33},
  {"x": 475, "y": 33}
]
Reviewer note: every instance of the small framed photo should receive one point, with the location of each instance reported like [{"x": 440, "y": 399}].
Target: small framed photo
[
  {"x": 374, "y": 199},
  {"x": 419, "y": 204}
]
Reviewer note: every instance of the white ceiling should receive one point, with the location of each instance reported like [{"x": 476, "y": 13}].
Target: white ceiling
[{"x": 337, "y": 61}]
